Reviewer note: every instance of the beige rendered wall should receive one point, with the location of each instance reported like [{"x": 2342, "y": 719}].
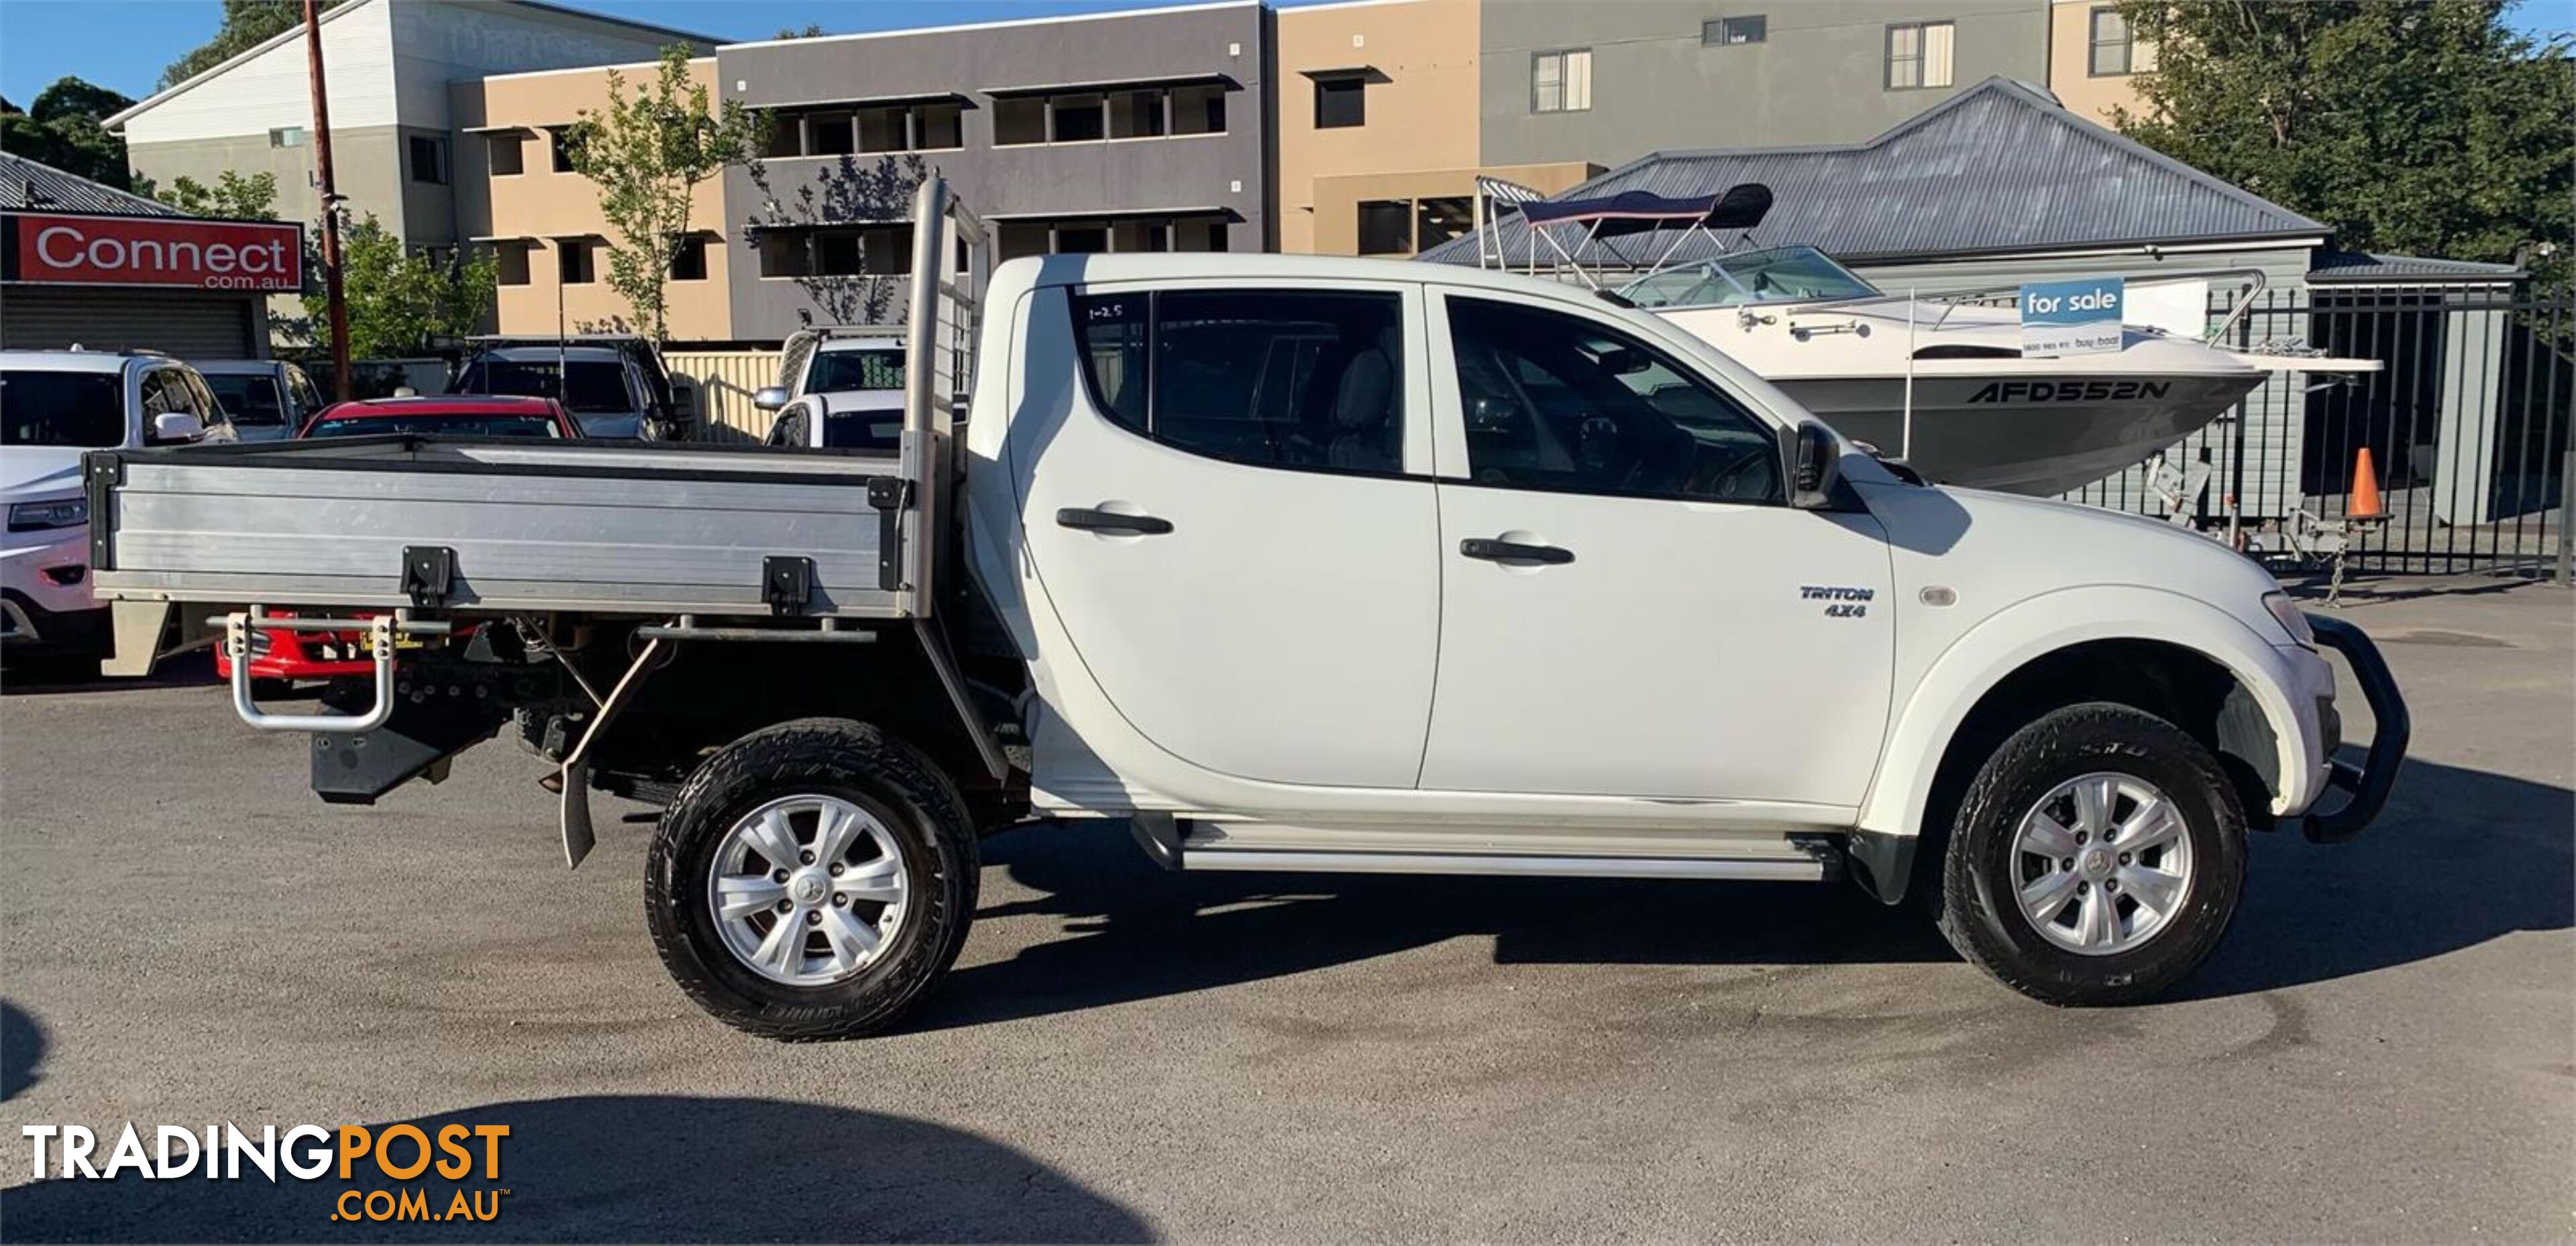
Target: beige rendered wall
[
  {"x": 539, "y": 203},
  {"x": 1337, "y": 199},
  {"x": 1421, "y": 103},
  {"x": 2070, "y": 65}
]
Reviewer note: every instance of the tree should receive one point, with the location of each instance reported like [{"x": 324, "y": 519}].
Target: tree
[
  {"x": 399, "y": 300},
  {"x": 246, "y": 25},
  {"x": 252, "y": 198},
  {"x": 813, "y": 30},
  {"x": 2426, "y": 127},
  {"x": 62, "y": 128},
  {"x": 648, "y": 152}
]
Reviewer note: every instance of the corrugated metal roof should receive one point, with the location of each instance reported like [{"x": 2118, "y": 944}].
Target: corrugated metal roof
[
  {"x": 2000, "y": 167},
  {"x": 2356, "y": 266},
  {"x": 25, "y": 183}
]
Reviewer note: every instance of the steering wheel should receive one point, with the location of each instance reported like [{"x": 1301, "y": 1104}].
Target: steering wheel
[{"x": 1730, "y": 474}]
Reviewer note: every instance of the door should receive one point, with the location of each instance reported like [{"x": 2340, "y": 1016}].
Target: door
[
  {"x": 1217, "y": 502},
  {"x": 1629, "y": 608}
]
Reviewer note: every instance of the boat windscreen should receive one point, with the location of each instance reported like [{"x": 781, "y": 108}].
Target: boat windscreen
[{"x": 1770, "y": 275}]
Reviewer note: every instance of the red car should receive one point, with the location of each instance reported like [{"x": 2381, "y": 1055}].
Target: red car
[
  {"x": 453, "y": 415},
  {"x": 285, "y": 657}
]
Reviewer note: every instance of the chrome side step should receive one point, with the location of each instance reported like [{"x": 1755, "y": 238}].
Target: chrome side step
[{"x": 1810, "y": 867}]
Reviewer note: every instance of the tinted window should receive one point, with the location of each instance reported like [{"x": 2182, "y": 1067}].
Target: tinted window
[
  {"x": 250, "y": 401},
  {"x": 837, "y": 370},
  {"x": 443, "y": 425},
  {"x": 594, "y": 387},
  {"x": 1561, "y": 402},
  {"x": 863, "y": 430},
  {"x": 62, "y": 409},
  {"x": 1340, "y": 102},
  {"x": 1278, "y": 378}
]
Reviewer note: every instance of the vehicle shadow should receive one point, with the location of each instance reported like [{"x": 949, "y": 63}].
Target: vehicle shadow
[
  {"x": 22, "y": 1050},
  {"x": 2461, "y": 857},
  {"x": 42, "y": 678},
  {"x": 626, "y": 1168}
]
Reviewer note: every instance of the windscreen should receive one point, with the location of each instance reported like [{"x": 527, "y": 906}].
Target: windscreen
[
  {"x": 836, "y": 371},
  {"x": 594, "y": 387},
  {"x": 441, "y": 425},
  {"x": 1773, "y": 275},
  {"x": 62, "y": 408},
  {"x": 249, "y": 401}
]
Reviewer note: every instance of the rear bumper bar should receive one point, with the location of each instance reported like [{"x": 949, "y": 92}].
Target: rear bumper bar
[{"x": 2366, "y": 784}]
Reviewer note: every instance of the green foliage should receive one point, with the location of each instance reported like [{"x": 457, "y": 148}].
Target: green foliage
[
  {"x": 247, "y": 24},
  {"x": 812, "y": 31},
  {"x": 399, "y": 300},
  {"x": 252, "y": 198},
  {"x": 2423, "y": 127},
  {"x": 648, "y": 152},
  {"x": 62, "y": 129}
]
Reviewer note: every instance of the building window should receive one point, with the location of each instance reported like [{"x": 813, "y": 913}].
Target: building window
[
  {"x": 429, "y": 160},
  {"x": 1090, "y": 116},
  {"x": 506, "y": 153},
  {"x": 573, "y": 262},
  {"x": 1076, "y": 119},
  {"x": 1729, "y": 31},
  {"x": 689, "y": 260},
  {"x": 848, "y": 251},
  {"x": 288, "y": 136},
  {"x": 1918, "y": 55},
  {"x": 2115, "y": 46},
  {"x": 1386, "y": 226},
  {"x": 1407, "y": 226},
  {"x": 1122, "y": 235},
  {"x": 510, "y": 263},
  {"x": 1341, "y": 103},
  {"x": 560, "y": 144},
  {"x": 1561, "y": 81}
]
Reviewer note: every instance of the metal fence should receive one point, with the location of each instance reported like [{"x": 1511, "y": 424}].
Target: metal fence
[
  {"x": 2465, "y": 429},
  {"x": 725, "y": 382}
]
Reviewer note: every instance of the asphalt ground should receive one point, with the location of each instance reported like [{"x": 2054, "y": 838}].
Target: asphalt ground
[{"x": 2380, "y": 1050}]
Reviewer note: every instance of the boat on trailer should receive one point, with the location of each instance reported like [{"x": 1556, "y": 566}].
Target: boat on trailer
[{"x": 1940, "y": 383}]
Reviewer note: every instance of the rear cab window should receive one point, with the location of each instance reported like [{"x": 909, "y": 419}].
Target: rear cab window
[
  {"x": 1292, "y": 378},
  {"x": 867, "y": 368},
  {"x": 249, "y": 401},
  {"x": 586, "y": 386}
]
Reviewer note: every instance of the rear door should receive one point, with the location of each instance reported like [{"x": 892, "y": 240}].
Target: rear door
[{"x": 1228, "y": 503}]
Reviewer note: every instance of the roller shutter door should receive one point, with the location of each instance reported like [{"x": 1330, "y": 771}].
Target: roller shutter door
[{"x": 185, "y": 323}]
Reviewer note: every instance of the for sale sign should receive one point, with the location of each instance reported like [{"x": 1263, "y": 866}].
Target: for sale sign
[
  {"x": 2078, "y": 317},
  {"x": 46, "y": 248}
]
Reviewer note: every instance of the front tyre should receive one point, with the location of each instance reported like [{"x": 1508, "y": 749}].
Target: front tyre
[
  {"x": 812, "y": 880},
  {"x": 2097, "y": 858}
]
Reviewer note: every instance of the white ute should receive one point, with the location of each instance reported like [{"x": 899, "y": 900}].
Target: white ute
[{"x": 1289, "y": 563}]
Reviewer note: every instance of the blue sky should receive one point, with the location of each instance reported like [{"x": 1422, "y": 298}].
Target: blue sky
[{"x": 124, "y": 43}]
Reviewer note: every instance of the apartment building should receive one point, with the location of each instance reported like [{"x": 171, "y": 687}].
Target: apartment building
[
  {"x": 389, "y": 66},
  {"x": 1378, "y": 149},
  {"x": 1146, "y": 130},
  {"x": 517, "y": 194},
  {"x": 2094, "y": 59},
  {"x": 1612, "y": 80}
]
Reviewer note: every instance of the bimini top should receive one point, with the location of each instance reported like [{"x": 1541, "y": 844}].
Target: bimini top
[{"x": 1640, "y": 212}]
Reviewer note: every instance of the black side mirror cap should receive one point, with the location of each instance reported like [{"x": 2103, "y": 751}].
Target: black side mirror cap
[{"x": 1815, "y": 465}]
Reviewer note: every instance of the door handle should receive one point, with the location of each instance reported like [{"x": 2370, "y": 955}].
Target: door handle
[
  {"x": 1492, "y": 550},
  {"x": 1087, "y": 519}
]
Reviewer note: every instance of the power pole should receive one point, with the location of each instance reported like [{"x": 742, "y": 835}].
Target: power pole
[{"x": 340, "y": 380}]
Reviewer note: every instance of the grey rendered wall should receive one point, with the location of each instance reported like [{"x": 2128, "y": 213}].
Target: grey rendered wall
[
  {"x": 1134, "y": 176},
  {"x": 1819, "y": 77}
]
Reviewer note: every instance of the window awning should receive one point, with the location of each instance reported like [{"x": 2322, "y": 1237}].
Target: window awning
[
  {"x": 1114, "y": 84},
  {"x": 1112, "y": 214},
  {"x": 868, "y": 101},
  {"x": 1365, "y": 73},
  {"x": 501, "y": 129}
]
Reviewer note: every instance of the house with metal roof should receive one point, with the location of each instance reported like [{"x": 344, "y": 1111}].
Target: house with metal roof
[
  {"x": 90, "y": 264},
  {"x": 2000, "y": 185}
]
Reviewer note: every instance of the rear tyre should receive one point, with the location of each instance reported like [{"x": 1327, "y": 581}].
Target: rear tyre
[
  {"x": 2097, "y": 858},
  {"x": 812, "y": 880}
]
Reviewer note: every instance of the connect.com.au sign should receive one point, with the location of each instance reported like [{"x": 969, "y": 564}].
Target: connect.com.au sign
[{"x": 62, "y": 249}]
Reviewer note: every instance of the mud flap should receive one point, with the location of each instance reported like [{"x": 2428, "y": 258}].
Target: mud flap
[{"x": 574, "y": 819}]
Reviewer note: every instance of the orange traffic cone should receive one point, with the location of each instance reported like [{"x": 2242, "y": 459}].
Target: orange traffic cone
[{"x": 2365, "y": 488}]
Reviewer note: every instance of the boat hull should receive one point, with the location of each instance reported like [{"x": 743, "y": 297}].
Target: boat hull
[{"x": 2040, "y": 436}]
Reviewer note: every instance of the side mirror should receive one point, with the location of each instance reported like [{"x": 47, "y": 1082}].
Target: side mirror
[
  {"x": 177, "y": 426},
  {"x": 769, "y": 397},
  {"x": 1815, "y": 465}
]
